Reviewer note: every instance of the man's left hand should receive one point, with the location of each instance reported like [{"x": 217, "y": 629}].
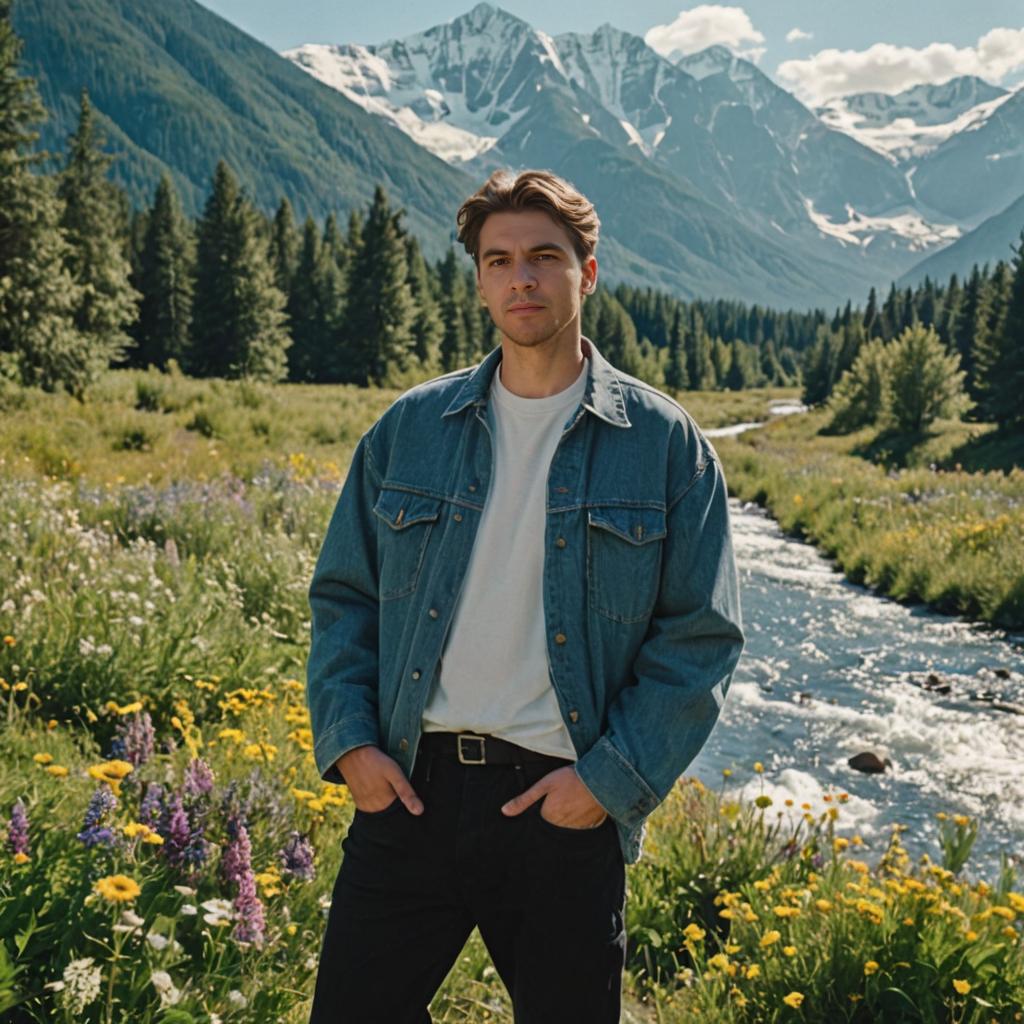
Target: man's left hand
[{"x": 569, "y": 802}]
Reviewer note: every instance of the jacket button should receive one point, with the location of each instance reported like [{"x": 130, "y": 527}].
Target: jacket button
[
  {"x": 561, "y": 490},
  {"x": 433, "y": 613},
  {"x": 416, "y": 674},
  {"x": 472, "y": 487},
  {"x": 574, "y": 715},
  {"x": 457, "y": 517},
  {"x": 403, "y": 744},
  {"x": 559, "y": 638},
  {"x": 560, "y": 542}
]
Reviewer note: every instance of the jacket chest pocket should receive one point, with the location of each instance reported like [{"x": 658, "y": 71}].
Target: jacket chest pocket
[
  {"x": 624, "y": 561},
  {"x": 401, "y": 547}
]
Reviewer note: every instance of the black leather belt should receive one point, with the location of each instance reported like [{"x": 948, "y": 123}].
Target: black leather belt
[{"x": 473, "y": 748}]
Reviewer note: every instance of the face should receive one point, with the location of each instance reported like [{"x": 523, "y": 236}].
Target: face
[{"x": 531, "y": 278}]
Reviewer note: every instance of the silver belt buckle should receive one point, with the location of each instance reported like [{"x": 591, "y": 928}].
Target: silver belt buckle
[{"x": 470, "y": 736}]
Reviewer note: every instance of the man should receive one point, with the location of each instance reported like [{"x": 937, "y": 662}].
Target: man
[{"x": 525, "y": 620}]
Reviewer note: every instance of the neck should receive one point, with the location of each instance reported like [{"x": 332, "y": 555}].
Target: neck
[{"x": 537, "y": 371}]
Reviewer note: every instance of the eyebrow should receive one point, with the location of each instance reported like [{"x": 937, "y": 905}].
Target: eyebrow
[{"x": 543, "y": 247}]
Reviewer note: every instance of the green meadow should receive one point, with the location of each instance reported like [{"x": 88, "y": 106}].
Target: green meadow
[{"x": 169, "y": 850}]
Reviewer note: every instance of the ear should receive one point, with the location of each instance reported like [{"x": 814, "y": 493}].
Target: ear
[{"x": 588, "y": 280}]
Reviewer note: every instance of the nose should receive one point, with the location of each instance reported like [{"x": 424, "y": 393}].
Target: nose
[{"x": 522, "y": 276}]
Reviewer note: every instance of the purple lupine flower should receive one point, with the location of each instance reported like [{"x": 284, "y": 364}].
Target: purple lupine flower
[
  {"x": 134, "y": 739},
  {"x": 236, "y": 867},
  {"x": 184, "y": 846},
  {"x": 151, "y": 807},
  {"x": 198, "y": 779},
  {"x": 94, "y": 832},
  {"x": 297, "y": 857},
  {"x": 17, "y": 830}
]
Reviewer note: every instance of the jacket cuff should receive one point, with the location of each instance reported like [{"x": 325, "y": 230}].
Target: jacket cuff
[
  {"x": 349, "y": 733},
  {"x": 615, "y": 784}
]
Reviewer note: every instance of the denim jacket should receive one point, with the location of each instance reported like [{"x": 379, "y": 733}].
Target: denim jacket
[{"x": 641, "y": 597}]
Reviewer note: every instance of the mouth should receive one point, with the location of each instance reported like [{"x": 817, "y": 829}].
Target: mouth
[{"x": 523, "y": 310}]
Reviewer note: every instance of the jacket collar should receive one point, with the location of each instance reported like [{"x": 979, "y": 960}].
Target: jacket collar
[{"x": 602, "y": 396}]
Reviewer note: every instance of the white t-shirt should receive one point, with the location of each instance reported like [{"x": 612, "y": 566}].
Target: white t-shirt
[{"x": 494, "y": 676}]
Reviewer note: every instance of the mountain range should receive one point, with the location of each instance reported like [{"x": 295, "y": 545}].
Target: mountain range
[{"x": 709, "y": 178}]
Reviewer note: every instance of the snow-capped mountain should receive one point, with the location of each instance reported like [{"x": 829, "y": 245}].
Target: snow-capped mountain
[
  {"x": 707, "y": 131},
  {"x": 915, "y": 122}
]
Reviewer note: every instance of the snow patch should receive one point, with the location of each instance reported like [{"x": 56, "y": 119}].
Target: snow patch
[{"x": 911, "y": 228}]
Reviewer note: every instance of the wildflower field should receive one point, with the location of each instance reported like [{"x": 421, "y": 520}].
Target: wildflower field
[{"x": 168, "y": 849}]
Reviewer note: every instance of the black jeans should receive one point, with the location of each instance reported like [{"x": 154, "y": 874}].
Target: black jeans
[{"x": 549, "y": 902}]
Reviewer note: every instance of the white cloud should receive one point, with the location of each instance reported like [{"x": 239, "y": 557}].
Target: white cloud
[
  {"x": 794, "y": 35},
  {"x": 891, "y": 69},
  {"x": 704, "y": 26}
]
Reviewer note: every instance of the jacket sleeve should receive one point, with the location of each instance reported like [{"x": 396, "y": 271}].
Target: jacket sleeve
[
  {"x": 342, "y": 671},
  {"x": 657, "y": 725}
]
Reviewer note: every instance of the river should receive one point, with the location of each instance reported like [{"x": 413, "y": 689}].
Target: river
[{"x": 831, "y": 669}]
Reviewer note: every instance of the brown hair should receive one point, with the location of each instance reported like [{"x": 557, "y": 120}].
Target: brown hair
[{"x": 505, "y": 192}]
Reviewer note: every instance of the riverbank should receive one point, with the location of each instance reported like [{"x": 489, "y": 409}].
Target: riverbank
[{"x": 950, "y": 538}]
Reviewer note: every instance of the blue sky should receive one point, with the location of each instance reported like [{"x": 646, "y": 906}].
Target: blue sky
[{"x": 841, "y": 45}]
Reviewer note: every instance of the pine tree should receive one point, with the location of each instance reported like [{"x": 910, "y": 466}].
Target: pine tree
[
  {"x": 699, "y": 367},
  {"x": 427, "y": 328},
  {"x": 39, "y": 344},
  {"x": 862, "y": 395},
  {"x": 98, "y": 262},
  {"x": 284, "y": 246},
  {"x": 379, "y": 314},
  {"x": 999, "y": 350},
  {"x": 677, "y": 378},
  {"x": 238, "y": 311},
  {"x": 454, "y": 343},
  {"x": 165, "y": 268}
]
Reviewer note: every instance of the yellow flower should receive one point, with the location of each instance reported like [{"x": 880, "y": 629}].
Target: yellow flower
[
  {"x": 871, "y": 966},
  {"x": 823, "y": 905},
  {"x": 10, "y": 641},
  {"x": 963, "y": 987},
  {"x": 726, "y": 772},
  {"x": 783, "y": 911},
  {"x": 961, "y": 819},
  {"x": 758, "y": 767},
  {"x": 21, "y": 858},
  {"x": 42, "y": 758},
  {"x": 794, "y": 999},
  {"x": 719, "y": 960},
  {"x": 789, "y": 950},
  {"x": 693, "y": 932},
  {"x": 840, "y": 843},
  {"x": 117, "y": 888},
  {"x": 127, "y": 709},
  {"x": 754, "y": 971},
  {"x": 971, "y": 935},
  {"x": 731, "y": 947},
  {"x": 769, "y": 937},
  {"x": 58, "y": 771},
  {"x": 762, "y": 884},
  {"x": 136, "y": 828},
  {"x": 153, "y": 838},
  {"x": 111, "y": 772},
  {"x": 1004, "y": 912},
  {"x": 1016, "y": 900}
]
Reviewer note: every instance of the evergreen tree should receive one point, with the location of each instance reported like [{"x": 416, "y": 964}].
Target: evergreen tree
[
  {"x": 108, "y": 304},
  {"x": 699, "y": 366},
  {"x": 871, "y": 314},
  {"x": 999, "y": 352},
  {"x": 284, "y": 247},
  {"x": 39, "y": 344},
  {"x": 862, "y": 395},
  {"x": 427, "y": 328},
  {"x": 677, "y": 377},
  {"x": 379, "y": 312},
  {"x": 819, "y": 367},
  {"x": 454, "y": 343},
  {"x": 926, "y": 380},
  {"x": 737, "y": 378},
  {"x": 238, "y": 311},
  {"x": 164, "y": 278}
]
